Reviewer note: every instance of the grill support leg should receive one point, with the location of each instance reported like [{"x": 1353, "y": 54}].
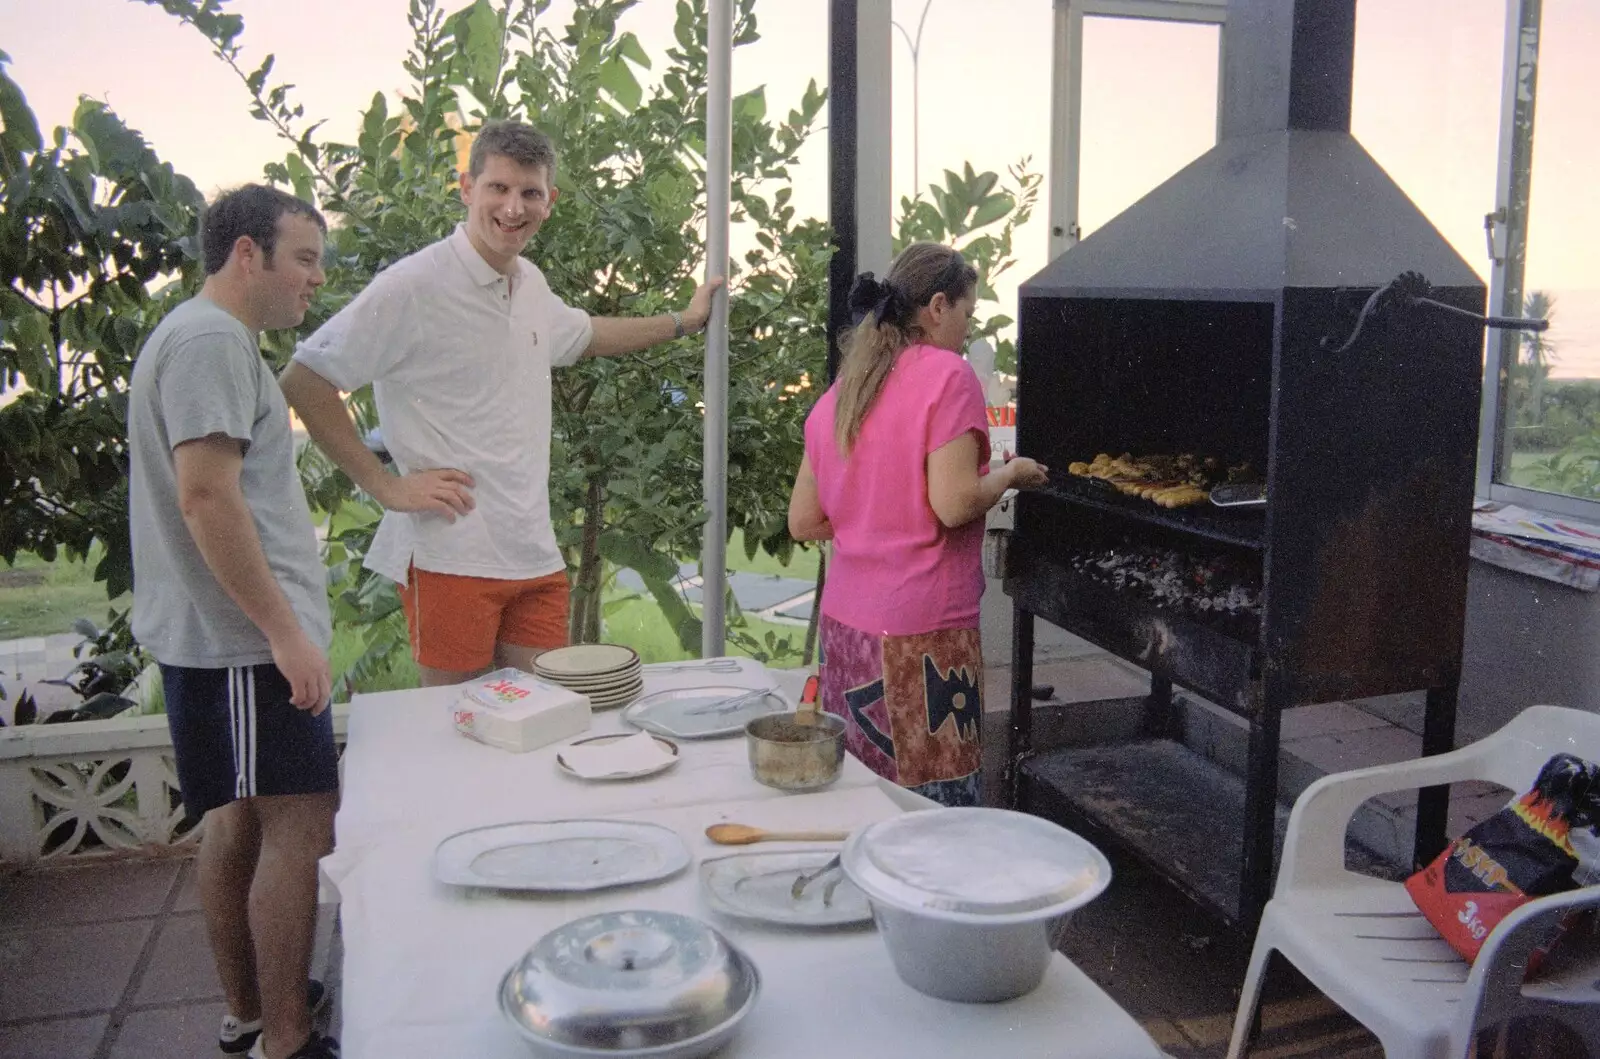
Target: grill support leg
[
  {"x": 1160, "y": 719},
  {"x": 1260, "y": 809},
  {"x": 1020, "y": 742},
  {"x": 1433, "y": 803}
]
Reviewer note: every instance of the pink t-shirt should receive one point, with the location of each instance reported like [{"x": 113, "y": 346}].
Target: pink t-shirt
[{"x": 895, "y": 569}]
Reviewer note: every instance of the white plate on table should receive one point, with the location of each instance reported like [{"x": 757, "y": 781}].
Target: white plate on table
[
  {"x": 612, "y": 698},
  {"x": 560, "y": 856},
  {"x": 696, "y": 713},
  {"x": 622, "y": 680},
  {"x": 758, "y": 886},
  {"x": 585, "y": 661},
  {"x": 605, "y": 740}
]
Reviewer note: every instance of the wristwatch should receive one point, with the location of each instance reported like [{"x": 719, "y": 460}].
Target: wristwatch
[{"x": 677, "y": 323}]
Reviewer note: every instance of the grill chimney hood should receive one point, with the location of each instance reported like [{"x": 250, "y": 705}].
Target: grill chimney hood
[{"x": 1286, "y": 199}]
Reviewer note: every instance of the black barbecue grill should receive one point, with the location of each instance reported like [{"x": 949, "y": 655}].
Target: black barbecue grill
[{"x": 1215, "y": 318}]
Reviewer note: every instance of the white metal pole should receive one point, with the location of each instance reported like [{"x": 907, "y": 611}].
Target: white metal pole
[
  {"x": 1066, "y": 123},
  {"x": 875, "y": 135},
  {"x": 719, "y": 163},
  {"x": 1508, "y": 229}
]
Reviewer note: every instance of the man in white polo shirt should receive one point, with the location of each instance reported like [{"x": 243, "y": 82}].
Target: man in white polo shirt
[{"x": 458, "y": 341}]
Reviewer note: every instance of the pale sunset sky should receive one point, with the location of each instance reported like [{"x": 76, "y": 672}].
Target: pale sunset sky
[{"x": 1428, "y": 79}]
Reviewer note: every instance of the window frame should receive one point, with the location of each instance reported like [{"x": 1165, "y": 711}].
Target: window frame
[
  {"x": 1507, "y": 237},
  {"x": 1066, "y": 93}
]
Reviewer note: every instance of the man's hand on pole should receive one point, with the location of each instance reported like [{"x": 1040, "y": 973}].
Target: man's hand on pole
[{"x": 699, "y": 310}]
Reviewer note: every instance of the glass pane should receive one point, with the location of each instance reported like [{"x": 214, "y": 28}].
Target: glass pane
[
  {"x": 1430, "y": 115},
  {"x": 1552, "y": 414},
  {"x": 1149, "y": 109}
]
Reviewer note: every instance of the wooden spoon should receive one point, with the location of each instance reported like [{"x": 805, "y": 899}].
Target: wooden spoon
[{"x": 744, "y": 834}]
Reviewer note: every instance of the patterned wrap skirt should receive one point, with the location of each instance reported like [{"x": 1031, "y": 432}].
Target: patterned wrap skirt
[{"x": 912, "y": 705}]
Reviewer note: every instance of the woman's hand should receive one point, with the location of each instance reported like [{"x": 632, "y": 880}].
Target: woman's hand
[{"x": 1026, "y": 473}]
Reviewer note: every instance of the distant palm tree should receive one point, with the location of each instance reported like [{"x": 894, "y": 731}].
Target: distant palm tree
[{"x": 1538, "y": 352}]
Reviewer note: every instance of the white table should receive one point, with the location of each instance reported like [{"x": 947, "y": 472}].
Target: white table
[
  {"x": 423, "y": 960},
  {"x": 404, "y": 765}
]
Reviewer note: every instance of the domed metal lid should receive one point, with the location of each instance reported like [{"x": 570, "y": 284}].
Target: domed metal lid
[
  {"x": 619, "y": 982},
  {"x": 978, "y": 862}
]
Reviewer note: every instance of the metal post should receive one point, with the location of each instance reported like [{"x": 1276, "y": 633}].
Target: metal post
[
  {"x": 1260, "y": 805},
  {"x": 916, "y": 95},
  {"x": 842, "y": 164},
  {"x": 1438, "y": 737},
  {"x": 874, "y": 136},
  {"x": 860, "y": 202},
  {"x": 1508, "y": 230},
  {"x": 1066, "y": 125},
  {"x": 719, "y": 164},
  {"x": 1019, "y": 745}
]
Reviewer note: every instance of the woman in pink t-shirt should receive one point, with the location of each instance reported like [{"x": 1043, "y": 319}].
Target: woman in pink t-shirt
[{"x": 896, "y": 476}]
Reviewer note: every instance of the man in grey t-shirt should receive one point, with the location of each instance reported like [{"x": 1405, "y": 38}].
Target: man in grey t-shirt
[{"x": 231, "y": 598}]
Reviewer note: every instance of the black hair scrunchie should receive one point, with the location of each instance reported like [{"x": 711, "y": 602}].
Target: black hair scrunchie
[{"x": 882, "y": 300}]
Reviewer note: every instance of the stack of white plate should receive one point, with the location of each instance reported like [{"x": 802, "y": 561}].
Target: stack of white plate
[{"x": 608, "y": 673}]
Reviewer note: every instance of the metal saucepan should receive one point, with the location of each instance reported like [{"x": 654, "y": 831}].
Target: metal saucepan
[{"x": 798, "y": 751}]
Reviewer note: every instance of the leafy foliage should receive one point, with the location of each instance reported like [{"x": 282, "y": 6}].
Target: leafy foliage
[
  {"x": 956, "y": 214},
  {"x": 1575, "y": 470},
  {"x": 89, "y": 221}
]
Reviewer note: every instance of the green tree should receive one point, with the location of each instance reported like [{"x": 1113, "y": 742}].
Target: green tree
[
  {"x": 1537, "y": 348},
  {"x": 90, "y": 221},
  {"x": 1530, "y": 376},
  {"x": 963, "y": 213}
]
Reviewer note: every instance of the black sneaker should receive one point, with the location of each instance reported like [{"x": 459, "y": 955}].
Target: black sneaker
[
  {"x": 317, "y": 1047},
  {"x": 236, "y": 1036}
]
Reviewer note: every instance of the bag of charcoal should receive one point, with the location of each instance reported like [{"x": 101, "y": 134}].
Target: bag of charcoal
[{"x": 1543, "y": 842}]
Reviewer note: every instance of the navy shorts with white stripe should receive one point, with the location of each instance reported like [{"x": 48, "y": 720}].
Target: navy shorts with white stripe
[{"x": 235, "y": 734}]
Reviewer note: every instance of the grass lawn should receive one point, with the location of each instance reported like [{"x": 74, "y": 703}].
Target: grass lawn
[
  {"x": 802, "y": 562},
  {"x": 40, "y": 599},
  {"x": 1522, "y": 468},
  {"x": 639, "y": 624}
]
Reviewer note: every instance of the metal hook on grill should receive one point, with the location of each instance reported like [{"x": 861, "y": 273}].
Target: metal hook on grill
[{"x": 1410, "y": 289}]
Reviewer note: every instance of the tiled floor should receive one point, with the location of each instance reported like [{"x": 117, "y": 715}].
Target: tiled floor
[
  {"x": 25, "y": 662},
  {"x": 109, "y": 961},
  {"x": 38, "y": 657}
]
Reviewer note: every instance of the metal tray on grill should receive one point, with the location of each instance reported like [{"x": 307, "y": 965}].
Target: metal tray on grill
[{"x": 1240, "y": 494}]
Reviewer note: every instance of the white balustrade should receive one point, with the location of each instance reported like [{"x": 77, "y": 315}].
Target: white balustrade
[{"x": 91, "y": 788}]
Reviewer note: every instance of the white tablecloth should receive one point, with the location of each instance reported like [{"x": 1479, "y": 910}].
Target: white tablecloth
[
  {"x": 404, "y": 764},
  {"x": 422, "y": 960}
]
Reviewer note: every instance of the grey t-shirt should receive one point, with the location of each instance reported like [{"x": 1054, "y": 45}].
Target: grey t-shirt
[{"x": 200, "y": 373}]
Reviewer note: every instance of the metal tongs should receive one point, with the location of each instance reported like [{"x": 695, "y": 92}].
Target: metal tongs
[
  {"x": 714, "y": 665},
  {"x": 729, "y": 705},
  {"x": 810, "y": 877}
]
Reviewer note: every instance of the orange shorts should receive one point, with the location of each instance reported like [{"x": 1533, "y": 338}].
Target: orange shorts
[{"x": 455, "y": 620}]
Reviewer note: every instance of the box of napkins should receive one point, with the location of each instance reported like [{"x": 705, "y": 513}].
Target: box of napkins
[{"x": 515, "y": 711}]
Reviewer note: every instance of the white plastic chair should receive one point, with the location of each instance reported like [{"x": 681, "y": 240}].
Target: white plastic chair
[{"x": 1364, "y": 944}]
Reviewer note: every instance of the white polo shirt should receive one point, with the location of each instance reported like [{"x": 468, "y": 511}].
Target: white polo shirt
[{"x": 460, "y": 370}]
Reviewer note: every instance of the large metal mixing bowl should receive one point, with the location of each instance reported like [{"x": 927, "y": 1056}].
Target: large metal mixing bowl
[{"x": 970, "y": 901}]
